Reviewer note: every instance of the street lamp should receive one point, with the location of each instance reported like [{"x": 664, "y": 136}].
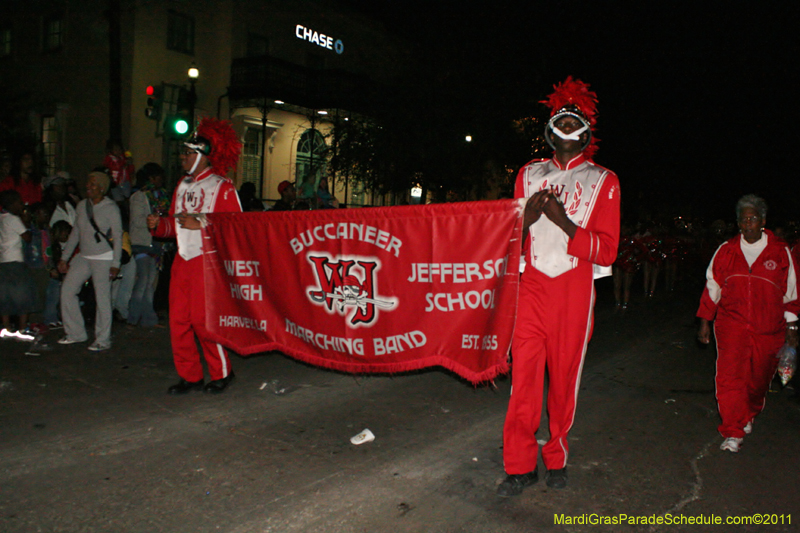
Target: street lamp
[{"x": 194, "y": 74}]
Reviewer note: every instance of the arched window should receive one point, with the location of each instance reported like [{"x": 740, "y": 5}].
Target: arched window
[{"x": 312, "y": 163}]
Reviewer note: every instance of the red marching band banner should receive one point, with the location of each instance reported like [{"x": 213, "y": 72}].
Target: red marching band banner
[{"x": 373, "y": 290}]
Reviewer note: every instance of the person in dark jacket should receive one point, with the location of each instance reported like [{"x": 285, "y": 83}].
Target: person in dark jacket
[{"x": 288, "y": 197}]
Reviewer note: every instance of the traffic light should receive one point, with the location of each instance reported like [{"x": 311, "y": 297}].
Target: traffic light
[
  {"x": 181, "y": 122},
  {"x": 155, "y": 101},
  {"x": 176, "y": 126}
]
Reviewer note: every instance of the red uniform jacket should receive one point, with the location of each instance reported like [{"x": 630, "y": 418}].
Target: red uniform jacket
[
  {"x": 590, "y": 195},
  {"x": 205, "y": 193}
]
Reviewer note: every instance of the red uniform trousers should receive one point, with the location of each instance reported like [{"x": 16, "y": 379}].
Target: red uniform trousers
[
  {"x": 187, "y": 318},
  {"x": 553, "y": 327},
  {"x": 746, "y": 363}
]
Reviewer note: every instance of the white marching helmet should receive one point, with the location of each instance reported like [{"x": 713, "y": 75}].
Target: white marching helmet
[{"x": 568, "y": 111}]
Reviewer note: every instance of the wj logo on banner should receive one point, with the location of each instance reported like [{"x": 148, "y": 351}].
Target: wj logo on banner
[{"x": 347, "y": 285}]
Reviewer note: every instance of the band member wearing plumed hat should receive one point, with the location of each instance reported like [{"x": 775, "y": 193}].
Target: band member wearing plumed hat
[
  {"x": 570, "y": 236},
  {"x": 206, "y": 158}
]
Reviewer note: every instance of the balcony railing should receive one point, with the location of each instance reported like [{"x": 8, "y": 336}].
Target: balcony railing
[{"x": 255, "y": 78}]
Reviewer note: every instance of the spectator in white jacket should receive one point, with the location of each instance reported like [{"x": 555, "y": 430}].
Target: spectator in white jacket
[{"x": 98, "y": 232}]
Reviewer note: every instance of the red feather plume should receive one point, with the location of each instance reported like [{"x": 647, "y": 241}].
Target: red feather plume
[
  {"x": 576, "y": 93},
  {"x": 225, "y": 145}
]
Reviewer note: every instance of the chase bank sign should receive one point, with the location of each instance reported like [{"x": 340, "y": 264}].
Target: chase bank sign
[{"x": 320, "y": 39}]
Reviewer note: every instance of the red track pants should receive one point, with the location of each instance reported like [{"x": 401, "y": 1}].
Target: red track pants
[
  {"x": 553, "y": 327},
  {"x": 187, "y": 318},
  {"x": 746, "y": 363}
]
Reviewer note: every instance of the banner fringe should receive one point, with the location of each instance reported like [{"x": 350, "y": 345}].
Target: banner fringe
[{"x": 475, "y": 378}]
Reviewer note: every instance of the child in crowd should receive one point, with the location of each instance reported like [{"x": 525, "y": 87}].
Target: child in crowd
[
  {"x": 35, "y": 251},
  {"x": 17, "y": 289},
  {"x": 59, "y": 234}
]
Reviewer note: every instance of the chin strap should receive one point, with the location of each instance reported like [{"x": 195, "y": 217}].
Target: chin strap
[
  {"x": 196, "y": 162},
  {"x": 574, "y": 136}
]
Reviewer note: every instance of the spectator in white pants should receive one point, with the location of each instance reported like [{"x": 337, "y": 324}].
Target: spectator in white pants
[{"x": 98, "y": 232}]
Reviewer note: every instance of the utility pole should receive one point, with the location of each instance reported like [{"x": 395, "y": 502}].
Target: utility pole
[{"x": 113, "y": 14}]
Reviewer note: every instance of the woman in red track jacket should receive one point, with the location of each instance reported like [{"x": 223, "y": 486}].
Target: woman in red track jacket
[{"x": 751, "y": 295}]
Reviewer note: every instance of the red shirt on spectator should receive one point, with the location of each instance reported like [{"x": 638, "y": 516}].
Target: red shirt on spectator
[{"x": 30, "y": 191}]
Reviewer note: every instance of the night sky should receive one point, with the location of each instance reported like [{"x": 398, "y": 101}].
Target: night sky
[{"x": 697, "y": 100}]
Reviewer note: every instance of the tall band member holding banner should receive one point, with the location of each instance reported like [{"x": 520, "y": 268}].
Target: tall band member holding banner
[
  {"x": 206, "y": 158},
  {"x": 573, "y": 242}
]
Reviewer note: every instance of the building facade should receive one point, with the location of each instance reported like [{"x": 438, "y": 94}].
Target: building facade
[{"x": 283, "y": 72}]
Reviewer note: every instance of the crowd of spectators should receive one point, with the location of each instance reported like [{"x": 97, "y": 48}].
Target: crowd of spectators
[
  {"x": 41, "y": 238},
  {"x": 50, "y": 244},
  {"x": 292, "y": 199},
  {"x": 51, "y": 240}
]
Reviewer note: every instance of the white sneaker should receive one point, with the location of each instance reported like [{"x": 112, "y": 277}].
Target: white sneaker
[
  {"x": 21, "y": 335},
  {"x": 731, "y": 444},
  {"x": 748, "y": 428},
  {"x": 67, "y": 340},
  {"x": 97, "y": 347}
]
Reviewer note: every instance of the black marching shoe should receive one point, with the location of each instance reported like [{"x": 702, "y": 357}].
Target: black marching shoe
[
  {"x": 218, "y": 385},
  {"x": 557, "y": 479},
  {"x": 514, "y": 484},
  {"x": 185, "y": 387}
]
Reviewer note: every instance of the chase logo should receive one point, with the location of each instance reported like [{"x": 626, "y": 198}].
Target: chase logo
[{"x": 320, "y": 39}]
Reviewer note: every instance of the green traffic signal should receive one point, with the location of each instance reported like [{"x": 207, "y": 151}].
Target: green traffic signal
[
  {"x": 180, "y": 126},
  {"x": 177, "y": 126},
  {"x": 181, "y": 122}
]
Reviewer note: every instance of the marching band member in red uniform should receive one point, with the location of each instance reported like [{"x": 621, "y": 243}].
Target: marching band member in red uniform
[
  {"x": 654, "y": 258},
  {"x": 624, "y": 268},
  {"x": 570, "y": 237},
  {"x": 751, "y": 295},
  {"x": 206, "y": 159},
  {"x": 675, "y": 250}
]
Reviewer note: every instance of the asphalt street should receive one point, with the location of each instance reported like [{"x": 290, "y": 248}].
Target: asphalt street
[{"x": 92, "y": 442}]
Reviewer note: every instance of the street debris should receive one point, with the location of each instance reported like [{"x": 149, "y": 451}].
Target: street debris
[
  {"x": 361, "y": 438},
  {"x": 787, "y": 363},
  {"x": 276, "y": 388},
  {"x": 404, "y": 508}
]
